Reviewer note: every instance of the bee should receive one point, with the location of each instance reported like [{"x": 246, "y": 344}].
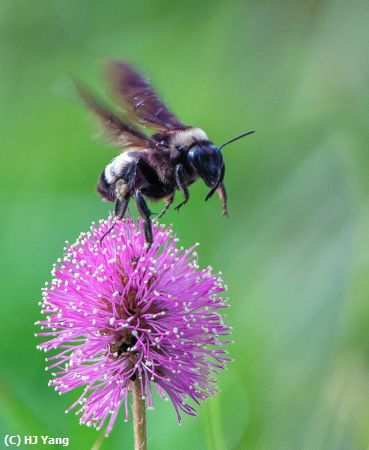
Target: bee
[{"x": 152, "y": 167}]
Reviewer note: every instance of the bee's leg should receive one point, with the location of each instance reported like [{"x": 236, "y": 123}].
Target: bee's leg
[
  {"x": 181, "y": 179},
  {"x": 223, "y": 198},
  {"x": 120, "y": 208},
  {"x": 145, "y": 213},
  {"x": 121, "y": 205},
  {"x": 107, "y": 232},
  {"x": 168, "y": 202}
]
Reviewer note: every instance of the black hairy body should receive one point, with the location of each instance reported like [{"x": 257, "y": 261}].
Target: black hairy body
[
  {"x": 152, "y": 167},
  {"x": 154, "y": 174}
]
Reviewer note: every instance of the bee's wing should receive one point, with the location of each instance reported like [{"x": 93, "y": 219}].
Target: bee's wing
[
  {"x": 139, "y": 99},
  {"x": 117, "y": 131}
]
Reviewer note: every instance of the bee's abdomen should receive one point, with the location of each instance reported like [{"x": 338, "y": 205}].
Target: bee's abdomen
[
  {"x": 114, "y": 172},
  {"x": 117, "y": 167},
  {"x": 105, "y": 189}
]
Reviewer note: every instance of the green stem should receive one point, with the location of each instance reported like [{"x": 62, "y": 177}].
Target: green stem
[{"x": 139, "y": 415}]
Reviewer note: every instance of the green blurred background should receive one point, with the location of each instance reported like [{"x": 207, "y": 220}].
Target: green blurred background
[{"x": 295, "y": 249}]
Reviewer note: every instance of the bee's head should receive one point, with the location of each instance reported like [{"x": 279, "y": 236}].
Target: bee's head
[{"x": 207, "y": 159}]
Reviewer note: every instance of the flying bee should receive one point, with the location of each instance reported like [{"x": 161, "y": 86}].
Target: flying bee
[{"x": 156, "y": 166}]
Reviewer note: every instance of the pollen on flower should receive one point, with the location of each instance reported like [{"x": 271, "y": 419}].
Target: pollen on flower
[{"x": 118, "y": 310}]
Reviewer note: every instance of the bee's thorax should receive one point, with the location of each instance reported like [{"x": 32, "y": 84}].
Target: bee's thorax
[{"x": 185, "y": 138}]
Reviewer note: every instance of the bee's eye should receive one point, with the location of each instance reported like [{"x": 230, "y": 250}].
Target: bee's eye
[
  {"x": 207, "y": 160},
  {"x": 196, "y": 153}
]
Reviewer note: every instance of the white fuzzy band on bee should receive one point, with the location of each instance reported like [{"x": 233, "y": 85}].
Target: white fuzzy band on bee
[
  {"x": 186, "y": 138},
  {"x": 115, "y": 168}
]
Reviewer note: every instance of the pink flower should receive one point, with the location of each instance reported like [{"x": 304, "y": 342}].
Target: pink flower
[{"x": 117, "y": 310}]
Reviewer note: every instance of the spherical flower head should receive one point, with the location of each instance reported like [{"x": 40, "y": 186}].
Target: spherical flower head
[{"x": 117, "y": 311}]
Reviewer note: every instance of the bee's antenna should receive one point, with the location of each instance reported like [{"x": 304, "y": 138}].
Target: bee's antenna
[{"x": 236, "y": 138}]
